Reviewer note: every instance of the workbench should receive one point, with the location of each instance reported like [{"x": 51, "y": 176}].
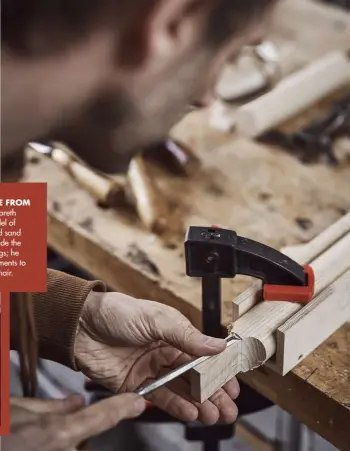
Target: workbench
[
  {"x": 262, "y": 193},
  {"x": 259, "y": 191}
]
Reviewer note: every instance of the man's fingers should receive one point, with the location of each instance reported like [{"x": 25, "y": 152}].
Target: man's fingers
[
  {"x": 100, "y": 417},
  {"x": 227, "y": 408},
  {"x": 173, "y": 404},
  {"x": 175, "y": 329},
  {"x": 207, "y": 412},
  {"x": 67, "y": 405},
  {"x": 232, "y": 388}
]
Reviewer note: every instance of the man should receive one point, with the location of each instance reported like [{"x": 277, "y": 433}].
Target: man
[{"x": 113, "y": 76}]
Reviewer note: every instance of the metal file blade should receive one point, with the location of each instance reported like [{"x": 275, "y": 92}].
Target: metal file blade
[{"x": 147, "y": 389}]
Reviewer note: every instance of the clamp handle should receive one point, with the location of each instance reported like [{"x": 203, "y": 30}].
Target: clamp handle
[{"x": 222, "y": 253}]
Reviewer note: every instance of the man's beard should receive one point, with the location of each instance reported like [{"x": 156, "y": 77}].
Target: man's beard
[
  {"x": 115, "y": 125},
  {"x": 106, "y": 134}
]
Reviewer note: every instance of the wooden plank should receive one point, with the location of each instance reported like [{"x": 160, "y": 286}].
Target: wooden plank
[
  {"x": 305, "y": 253},
  {"x": 258, "y": 326},
  {"x": 314, "y": 323},
  {"x": 312, "y": 84}
]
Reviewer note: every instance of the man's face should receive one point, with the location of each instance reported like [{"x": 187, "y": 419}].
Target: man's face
[
  {"x": 125, "y": 107},
  {"x": 147, "y": 101}
]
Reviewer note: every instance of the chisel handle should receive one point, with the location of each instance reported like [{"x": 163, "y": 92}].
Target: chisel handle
[{"x": 103, "y": 189}]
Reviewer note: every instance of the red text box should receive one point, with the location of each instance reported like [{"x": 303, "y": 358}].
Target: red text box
[
  {"x": 23, "y": 237},
  {"x": 4, "y": 364}
]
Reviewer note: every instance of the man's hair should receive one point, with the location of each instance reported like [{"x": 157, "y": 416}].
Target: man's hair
[
  {"x": 40, "y": 27},
  {"x": 231, "y": 17}
]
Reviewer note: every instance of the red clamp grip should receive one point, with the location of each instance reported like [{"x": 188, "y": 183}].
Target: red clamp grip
[{"x": 288, "y": 293}]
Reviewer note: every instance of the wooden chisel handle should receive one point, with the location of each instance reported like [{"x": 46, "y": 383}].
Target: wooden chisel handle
[
  {"x": 294, "y": 94},
  {"x": 106, "y": 191},
  {"x": 150, "y": 204}
]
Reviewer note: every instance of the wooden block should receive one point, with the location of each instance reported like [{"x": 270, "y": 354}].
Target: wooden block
[
  {"x": 205, "y": 379},
  {"x": 313, "y": 324},
  {"x": 246, "y": 301},
  {"x": 257, "y": 328},
  {"x": 303, "y": 254},
  {"x": 294, "y": 94},
  {"x": 332, "y": 264}
]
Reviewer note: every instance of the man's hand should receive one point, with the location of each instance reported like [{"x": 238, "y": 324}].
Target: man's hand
[
  {"x": 62, "y": 425},
  {"x": 123, "y": 342}
]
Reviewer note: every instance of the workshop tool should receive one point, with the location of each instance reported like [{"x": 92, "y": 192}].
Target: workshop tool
[
  {"x": 258, "y": 69},
  {"x": 138, "y": 189},
  {"x": 151, "y": 205},
  {"x": 174, "y": 156},
  {"x": 169, "y": 377},
  {"x": 294, "y": 94},
  {"x": 150, "y": 388},
  {"x": 213, "y": 254},
  {"x": 107, "y": 191},
  {"x": 316, "y": 139}
]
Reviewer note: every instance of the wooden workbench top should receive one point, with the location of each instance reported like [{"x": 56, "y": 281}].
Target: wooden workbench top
[{"x": 260, "y": 192}]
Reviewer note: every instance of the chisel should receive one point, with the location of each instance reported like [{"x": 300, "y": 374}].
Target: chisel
[{"x": 147, "y": 389}]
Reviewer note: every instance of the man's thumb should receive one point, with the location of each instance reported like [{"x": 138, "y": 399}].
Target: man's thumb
[
  {"x": 180, "y": 333},
  {"x": 104, "y": 415}
]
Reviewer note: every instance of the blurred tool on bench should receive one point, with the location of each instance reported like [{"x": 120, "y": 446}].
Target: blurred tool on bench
[
  {"x": 257, "y": 70},
  {"x": 137, "y": 188},
  {"x": 316, "y": 139}
]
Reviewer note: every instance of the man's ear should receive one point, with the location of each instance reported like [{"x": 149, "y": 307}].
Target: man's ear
[
  {"x": 176, "y": 24},
  {"x": 167, "y": 28}
]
